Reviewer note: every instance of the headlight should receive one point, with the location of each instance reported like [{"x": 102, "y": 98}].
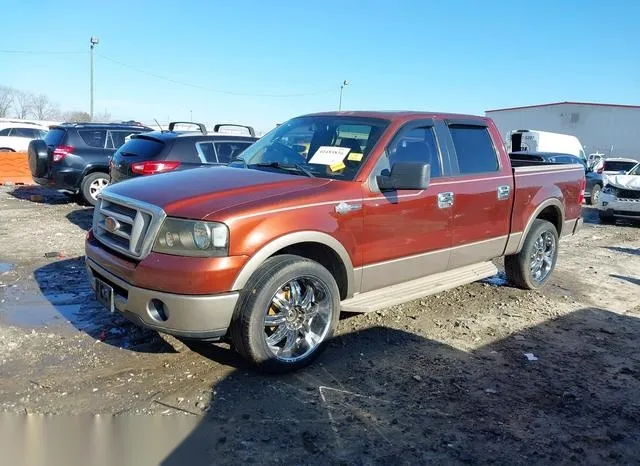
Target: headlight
[
  {"x": 609, "y": 190},
  {"x": 192, "y": 238}
]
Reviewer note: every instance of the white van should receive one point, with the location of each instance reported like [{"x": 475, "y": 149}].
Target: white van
[{"x": 543, "y": 141}]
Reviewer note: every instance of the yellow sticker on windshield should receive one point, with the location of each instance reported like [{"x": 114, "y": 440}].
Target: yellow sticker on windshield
[
  {"x": 337, "y": 166},
  {"x": 355, "y": 156}
]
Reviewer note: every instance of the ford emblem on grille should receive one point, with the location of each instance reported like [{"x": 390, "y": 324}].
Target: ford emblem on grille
[{"x": 111, "y": 224}]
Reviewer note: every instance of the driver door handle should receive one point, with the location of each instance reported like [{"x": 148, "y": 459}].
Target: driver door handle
[{"x": 445, "y": 200}]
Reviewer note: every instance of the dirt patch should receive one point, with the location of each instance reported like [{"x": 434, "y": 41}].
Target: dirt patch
[{"x": 481, "y": 374}]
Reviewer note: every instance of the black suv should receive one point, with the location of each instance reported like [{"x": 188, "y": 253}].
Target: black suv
[
  {"x": 74, "y": 157},
  {"x": 163, "y": 151}
]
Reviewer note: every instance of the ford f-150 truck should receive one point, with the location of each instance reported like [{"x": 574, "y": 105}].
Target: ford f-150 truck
[{"x": 374, "y": 209}]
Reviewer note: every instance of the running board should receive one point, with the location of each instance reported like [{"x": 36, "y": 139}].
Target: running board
[{"x": 419, "y": 288}]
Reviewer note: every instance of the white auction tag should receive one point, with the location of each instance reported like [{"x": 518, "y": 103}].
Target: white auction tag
[{"x": 329, "y": 155}]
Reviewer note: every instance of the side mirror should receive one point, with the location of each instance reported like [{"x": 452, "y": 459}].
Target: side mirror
[{"x": 405, "y": 175}]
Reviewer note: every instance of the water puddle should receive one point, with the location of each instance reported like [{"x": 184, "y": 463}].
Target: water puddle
[
  {"x": 499, "y": 279},
  {"x": 5, "y": 267},
  {"x": 24, "y": 308}
]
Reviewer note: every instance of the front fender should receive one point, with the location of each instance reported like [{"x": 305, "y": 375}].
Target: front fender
[{"x": 291, "y": 239}]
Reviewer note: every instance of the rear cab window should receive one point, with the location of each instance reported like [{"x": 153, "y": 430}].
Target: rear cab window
[{"x": 474, "y": 149}]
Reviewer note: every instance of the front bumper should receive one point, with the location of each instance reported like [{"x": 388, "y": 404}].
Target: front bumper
[
  {"x": 616, "y": 207},
  {"x": 189, "y": 316}
]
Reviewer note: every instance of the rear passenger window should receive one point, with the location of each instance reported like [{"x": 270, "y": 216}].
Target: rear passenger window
[
  {"x": 227, "y": 151},
  {"x": 417, "y": 145},
  {"x": 94, "y": 138},
  {"x": 5, "y": 132},
  {"x": 22, "y": 133},
  {"x": 118, "y": 138},
  {"x": 474, "y": 149},
  {"x": 206, "y": 152}
]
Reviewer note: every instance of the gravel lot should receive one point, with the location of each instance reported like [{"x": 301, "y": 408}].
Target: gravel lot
[{"x": 481, "y": 374}]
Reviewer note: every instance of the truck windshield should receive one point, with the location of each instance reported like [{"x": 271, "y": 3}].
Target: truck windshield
[{"x": 320, "y": 146}]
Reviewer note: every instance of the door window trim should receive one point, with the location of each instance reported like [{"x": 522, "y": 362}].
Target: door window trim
[
  {"x": 404, "y": 129},
  {"x": 453, "y": 154}
]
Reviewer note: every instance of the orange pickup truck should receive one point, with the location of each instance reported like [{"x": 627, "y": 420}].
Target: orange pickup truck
[{"x": 374, "y": 209}]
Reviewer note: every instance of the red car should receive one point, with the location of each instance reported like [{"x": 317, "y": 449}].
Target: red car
[{"x": 375, "y": 209}]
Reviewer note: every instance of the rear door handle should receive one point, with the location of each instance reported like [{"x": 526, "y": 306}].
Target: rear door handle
[
  {"x": 445, "y": 200},
  {"x": 503, "y": 192}
]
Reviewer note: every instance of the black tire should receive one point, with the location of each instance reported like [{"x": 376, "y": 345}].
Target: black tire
[
  {"x": 248, "y": 331},
  {"x": 87, "y": 188},
  {"x": 6, "y": 149},
  {"x": 38, "y": 154},
  {"x": 595, "y": 193},
  {"x": 606, "y": 218},
  {"x": 518, "y": 266}
]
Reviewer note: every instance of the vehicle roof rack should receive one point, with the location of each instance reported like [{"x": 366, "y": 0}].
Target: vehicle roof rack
[
  {"x": 217, "y": 127},
  {"x": 201, "y": 127}
]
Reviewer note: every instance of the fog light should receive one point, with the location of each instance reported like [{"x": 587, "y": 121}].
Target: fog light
[{"x": 158, "y": 310}]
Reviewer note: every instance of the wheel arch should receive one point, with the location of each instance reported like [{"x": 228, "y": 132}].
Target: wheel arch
[
  {"x": 551, "y": 210},
  {"x": 314, "y": 245}
]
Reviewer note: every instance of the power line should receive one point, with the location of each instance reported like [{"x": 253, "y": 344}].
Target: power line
[
  {"x": 196, "y": 86},
  {"x": 35, "y": 52},
  {"x": 168, "y": 79}
]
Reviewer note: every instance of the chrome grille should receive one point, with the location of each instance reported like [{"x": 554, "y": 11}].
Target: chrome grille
[{"x": 126, "y": 225}]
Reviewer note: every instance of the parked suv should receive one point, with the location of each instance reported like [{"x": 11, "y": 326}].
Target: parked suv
[
  {"x": 162, "y": 151},
  {"x": 596, "y": 178},
  {"x": 17, "y": 136},
  {"x": 74, "y": 157}
]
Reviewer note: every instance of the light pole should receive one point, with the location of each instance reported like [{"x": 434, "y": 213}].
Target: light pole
[
  {"x": 344, "y": 83},
  {"x": 93, "y": 41}
]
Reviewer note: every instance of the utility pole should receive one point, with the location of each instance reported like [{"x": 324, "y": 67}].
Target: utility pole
[
  {"x": 93, "y": 41},
  {"x": 344, "y": 83}
]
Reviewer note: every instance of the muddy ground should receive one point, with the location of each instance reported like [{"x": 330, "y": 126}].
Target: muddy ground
[{"x": 482, "y": 374}]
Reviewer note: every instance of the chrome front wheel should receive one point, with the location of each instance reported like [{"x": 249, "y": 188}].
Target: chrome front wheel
[
  {"x": 298, "y": 318},
  {"x": 286, "y": 314}
]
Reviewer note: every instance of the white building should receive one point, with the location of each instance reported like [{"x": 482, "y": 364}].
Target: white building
[{"x": 613, "y": 130}]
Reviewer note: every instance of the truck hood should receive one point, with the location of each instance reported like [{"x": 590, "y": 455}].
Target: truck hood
[
  {"x": 200, "y": 192},
  {"x": 624, "y": 181}
]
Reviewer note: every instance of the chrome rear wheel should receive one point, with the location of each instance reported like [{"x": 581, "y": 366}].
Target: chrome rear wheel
[{"x": 543, "y": 256}]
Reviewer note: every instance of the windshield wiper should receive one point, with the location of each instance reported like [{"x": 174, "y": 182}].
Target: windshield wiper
[{"x": 285, "y": 166}]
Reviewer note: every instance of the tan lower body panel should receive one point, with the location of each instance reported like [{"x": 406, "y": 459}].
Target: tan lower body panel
[{"x": 414, "y": 289}]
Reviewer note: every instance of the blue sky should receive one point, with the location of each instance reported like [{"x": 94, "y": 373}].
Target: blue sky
[{"x": 462, "y": 56}]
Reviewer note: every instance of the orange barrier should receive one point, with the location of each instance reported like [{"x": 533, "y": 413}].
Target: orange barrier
[{"x": 14, "y": 168}]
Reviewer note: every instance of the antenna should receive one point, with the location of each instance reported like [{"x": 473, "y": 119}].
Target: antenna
[{"x": 158, "y": 124}]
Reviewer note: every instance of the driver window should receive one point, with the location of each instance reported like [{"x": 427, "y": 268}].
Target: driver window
[{"x": 417, "y": 145}]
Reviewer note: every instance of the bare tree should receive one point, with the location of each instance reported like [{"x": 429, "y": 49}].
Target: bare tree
[
  {"x": 43, "y": 109},
  {"x": 103, "y": 117},
  {"x": 76, "y": 117},
  {"x": 21, "y": 104},
  {"x": 6, "y": 100}
]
